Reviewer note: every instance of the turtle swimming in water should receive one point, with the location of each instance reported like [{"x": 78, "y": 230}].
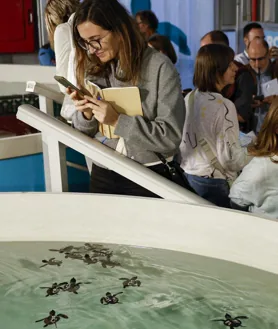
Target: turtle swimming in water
[
  {"x": 54, "y": 290},
  {"x": 73, "y": 255},
  {"x": 131, "y": 282},
  {"x": 232, "y": 322},
  {"x": 72, "y": 286},
  {"x": 102, "y": 253},
  {"x": 108, "y": 262},
  {"x": 62, "y": 250},
  {"x": 110, "y": 299},
  {"x": 94, "y": 246},
  {"x": 51, "y": 261},
  {"x": 89, "y": 260},
  {"x": 52, "y": 318}
]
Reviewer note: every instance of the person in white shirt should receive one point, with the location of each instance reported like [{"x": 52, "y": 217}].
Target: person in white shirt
[
  {"x": 210, "y": 153},
  {"x": 256, "y": 189},
  {"x": 59, "y": 16}
]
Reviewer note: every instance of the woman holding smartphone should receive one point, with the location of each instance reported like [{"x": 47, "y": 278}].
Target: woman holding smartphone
[{"x": 111, "y": 52}]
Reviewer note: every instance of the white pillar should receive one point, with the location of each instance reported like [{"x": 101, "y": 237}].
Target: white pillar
[{"x": 55, "y": 167}]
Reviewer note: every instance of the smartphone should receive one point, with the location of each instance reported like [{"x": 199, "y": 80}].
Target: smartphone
[
  {"x": 63, "y": 81},
  {"x": 259, "y": 98}
]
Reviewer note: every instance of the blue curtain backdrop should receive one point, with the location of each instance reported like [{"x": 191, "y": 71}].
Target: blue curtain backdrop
[{"x": 184, "y": 22}]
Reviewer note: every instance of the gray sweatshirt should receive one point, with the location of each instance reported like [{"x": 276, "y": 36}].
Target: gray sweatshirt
[{"x": 160, "y": 128}]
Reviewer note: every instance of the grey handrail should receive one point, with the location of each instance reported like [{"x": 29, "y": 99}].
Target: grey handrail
[
  {"x": 55, "y": 132},
  {"x": 43, "y": 90}
]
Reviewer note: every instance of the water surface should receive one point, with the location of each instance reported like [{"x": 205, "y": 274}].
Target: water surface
[{"x": 177, "y": 290}]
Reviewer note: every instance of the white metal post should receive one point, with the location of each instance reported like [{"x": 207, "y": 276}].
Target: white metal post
[
  {"x": 55, "y": 167},
  {"x": 46, "y": 105}
]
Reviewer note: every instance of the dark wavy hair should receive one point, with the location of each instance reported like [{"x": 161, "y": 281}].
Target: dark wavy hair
[
  {"x": 111, "y": 16},
  {"x": 163, "y": 44},
  {"x": 148, "y": 17},
  {"x": 212, "y": 61}
]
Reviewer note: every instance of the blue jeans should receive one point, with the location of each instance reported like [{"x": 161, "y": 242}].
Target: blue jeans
[{"x": 212, "y": 189}]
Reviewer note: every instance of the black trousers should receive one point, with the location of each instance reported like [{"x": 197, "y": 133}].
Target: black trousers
[{"x": 109, "y": 182}]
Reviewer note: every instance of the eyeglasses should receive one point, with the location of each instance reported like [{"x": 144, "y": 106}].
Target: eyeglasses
[
  {"x": 259, "y": 59},
  {"x": 95, "y": 44}
]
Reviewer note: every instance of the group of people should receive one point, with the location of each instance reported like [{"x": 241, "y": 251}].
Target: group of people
[{"x": 99, "y": 41}]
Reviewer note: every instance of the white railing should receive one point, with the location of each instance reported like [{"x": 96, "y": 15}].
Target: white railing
[
  {"x": 56, "y": 135},
  {"x": 13, "y": 81}
]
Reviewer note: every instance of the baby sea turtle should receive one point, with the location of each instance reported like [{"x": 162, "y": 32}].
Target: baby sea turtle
[
  {"x": 232, "y": 322},
  {"x": 131, "y": 282},
  {"x": 94, "y": 246},
  {"x": 54, "y": 290},
  {"x": 52, "y": 318},
  {"x": 88, "y": 260},
  {"x": 110, "y": 299},
  {"x": 73, "y": 255},
  {"x": 62, "y": 250},
  {"x": 102, "y": 252},
  {"x": 108, "y": 262},
  {"x": 51, "y": 261},
  {"x": 72, "y": 286}
]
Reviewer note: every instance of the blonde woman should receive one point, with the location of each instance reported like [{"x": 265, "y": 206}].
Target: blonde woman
[
  {"x": 59, "y": 17},
  {"x": 256, "y": 189}
]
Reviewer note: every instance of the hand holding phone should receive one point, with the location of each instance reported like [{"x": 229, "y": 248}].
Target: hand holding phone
[{"x": 67, "y": 84}]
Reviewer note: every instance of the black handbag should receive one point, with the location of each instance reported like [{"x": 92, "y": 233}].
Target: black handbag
[{"x": 176, "y": 174}]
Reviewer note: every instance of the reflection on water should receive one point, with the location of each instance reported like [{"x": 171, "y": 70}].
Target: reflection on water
[{"x": 82, "y": 286}]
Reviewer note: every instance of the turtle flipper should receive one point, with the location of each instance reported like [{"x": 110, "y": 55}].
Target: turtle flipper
[
  {"x": 241, "y": 317},
  {"x": 43, "y": 265},
  {"x": 40, "y": 320},
  {"x": 134, "y": 278},
  {"x": 103, "y": 301},
  {"x": 62, "y": 284},
  {"x": 118, "y": 293},
  {"x": 63, "y": 316}
]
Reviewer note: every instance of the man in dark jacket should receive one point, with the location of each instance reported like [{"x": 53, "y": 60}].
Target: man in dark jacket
[{"x": 264, "y": 70}]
